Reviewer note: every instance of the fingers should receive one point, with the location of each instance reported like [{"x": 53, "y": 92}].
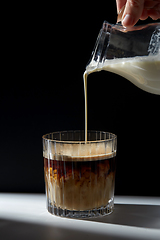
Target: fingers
[
  {"x": 154, "y": 13},
  {"x": 144, "y": 15},
  {"x": 154, "y": 10},
  {"x": 149, "y": 4},
  {"x": 151, "y": 9},
  {"x": 132, "y": 12},
  {"x": 120, "y": 4}
]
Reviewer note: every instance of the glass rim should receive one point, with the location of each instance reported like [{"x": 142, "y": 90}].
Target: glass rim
[{"x": 114, "y": 137}]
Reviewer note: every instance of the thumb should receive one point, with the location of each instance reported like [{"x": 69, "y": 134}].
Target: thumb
[{"x": 132, "y": 12}]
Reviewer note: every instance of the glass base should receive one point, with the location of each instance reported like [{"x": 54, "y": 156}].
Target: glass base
[{"x": 96, "y": 212}]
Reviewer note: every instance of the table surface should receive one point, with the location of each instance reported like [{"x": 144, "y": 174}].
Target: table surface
[{"x": 24, "y": 216}]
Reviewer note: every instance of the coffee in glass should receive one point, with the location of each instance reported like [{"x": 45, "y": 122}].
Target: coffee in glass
[{"x": 79, "y": 175}]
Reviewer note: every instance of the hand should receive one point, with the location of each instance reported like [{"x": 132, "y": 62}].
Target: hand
[{"x": 138, "y": 9}]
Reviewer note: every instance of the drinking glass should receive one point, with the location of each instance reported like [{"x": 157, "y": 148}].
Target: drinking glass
[{"x": 79, "y": 175}]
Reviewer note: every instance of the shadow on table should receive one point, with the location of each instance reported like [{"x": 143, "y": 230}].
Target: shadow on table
[
  {"x": 146, "y": 216},
  {"x": 17, "y": 230}
]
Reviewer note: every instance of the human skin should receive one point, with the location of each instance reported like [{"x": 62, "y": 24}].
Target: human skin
[{"x": 138, "y": 9}]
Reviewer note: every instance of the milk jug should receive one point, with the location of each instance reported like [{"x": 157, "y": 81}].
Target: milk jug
[{"x": 133, "y": 53}]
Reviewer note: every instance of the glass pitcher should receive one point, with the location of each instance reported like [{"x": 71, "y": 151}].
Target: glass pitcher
[{"x": 133, "y": 53}]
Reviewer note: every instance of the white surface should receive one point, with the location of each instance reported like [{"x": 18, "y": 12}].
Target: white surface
[{"x": 24, "y": 216}]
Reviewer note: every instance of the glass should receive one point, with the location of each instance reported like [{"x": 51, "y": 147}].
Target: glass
[
  {"x": 79, "y": 175},
  {"x": 133, "y": 53}
]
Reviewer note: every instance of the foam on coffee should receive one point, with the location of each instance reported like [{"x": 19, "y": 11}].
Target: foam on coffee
[{"x": 79, "y": 152}]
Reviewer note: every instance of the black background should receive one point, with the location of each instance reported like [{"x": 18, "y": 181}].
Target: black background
[{"x": 46, "y": 49}]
